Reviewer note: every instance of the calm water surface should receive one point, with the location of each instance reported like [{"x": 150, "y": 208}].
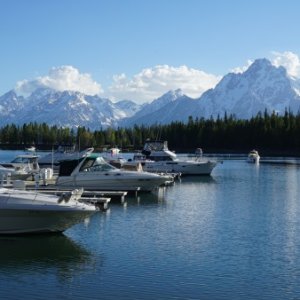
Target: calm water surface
[{"x": 234, "y": 235}]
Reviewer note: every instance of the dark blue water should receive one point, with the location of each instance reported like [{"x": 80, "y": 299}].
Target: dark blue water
[{"x": 234, "y": 235}]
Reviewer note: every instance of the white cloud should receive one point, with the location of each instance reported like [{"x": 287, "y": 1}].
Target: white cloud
[
  {"x": 153, "y": 82},
  {"x": 289, "y": 60},
  {"x": 62, "y": 78},
  {"x": 243, "y": 68}
]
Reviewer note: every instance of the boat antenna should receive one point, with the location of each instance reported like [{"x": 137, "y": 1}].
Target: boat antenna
[
  {"x": 158, "y": 136},
  {"x": 52, "y": 158}
]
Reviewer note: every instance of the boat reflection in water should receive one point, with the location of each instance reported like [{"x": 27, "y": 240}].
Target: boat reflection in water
[{"x": 38, "y": 252}]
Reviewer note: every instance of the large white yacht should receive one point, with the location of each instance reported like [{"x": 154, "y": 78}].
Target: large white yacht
[
  {"x": 33, "y": 212},
  {"x": 94, "y": 173},
  {"x": 156, "y": 157}
]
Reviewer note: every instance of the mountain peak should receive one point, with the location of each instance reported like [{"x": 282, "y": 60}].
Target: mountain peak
[
  {"x": 170, "y": 95},
  {"x": 263, "y": 66}
]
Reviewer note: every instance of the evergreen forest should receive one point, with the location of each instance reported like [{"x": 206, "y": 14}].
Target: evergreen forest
[{"x": 271, "y": 133}]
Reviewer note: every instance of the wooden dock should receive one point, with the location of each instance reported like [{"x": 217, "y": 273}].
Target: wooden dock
[{"x": 100, "y": 198}]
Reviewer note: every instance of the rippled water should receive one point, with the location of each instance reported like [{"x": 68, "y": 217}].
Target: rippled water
[{"x": 234, "y": 235}]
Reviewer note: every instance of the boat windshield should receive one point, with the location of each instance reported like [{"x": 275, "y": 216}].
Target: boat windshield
[
  {"x": 95, "y": 164},
  {"x": 24, "y": 159}
]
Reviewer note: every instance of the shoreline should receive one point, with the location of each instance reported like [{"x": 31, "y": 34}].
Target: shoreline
[{"x": 206, "y": 151}]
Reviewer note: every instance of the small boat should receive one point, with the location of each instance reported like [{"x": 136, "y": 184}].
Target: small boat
[
  {"x": 30, "y": 149},
  {"x": 114, "y": 151},
  {"x": 7, "y": 174},
  {"x": 21, "y": 167},
  {"x": 157, "y": 158},
  {"x": 33, "y": 212},
  {"x": 92, "y": 172},
  {"x": 253, "y": 157}
]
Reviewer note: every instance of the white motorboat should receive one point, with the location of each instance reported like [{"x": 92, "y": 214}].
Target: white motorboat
[
  {"x": 94, "y": 173},
  {"x": 33, "y": 212},
  {"x": 253, "y": 157},
  {"x": 62, "y": 153},
  {"x": 156, "y": 157},
  {"x": 21, "y": 167},
  {"x": 7, "y": 174},
  {"x": 28, "y": 162}
]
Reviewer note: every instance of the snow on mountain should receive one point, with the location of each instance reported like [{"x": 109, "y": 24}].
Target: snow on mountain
[
  {"x": 262, "y": 86},
  {"x": 295, "y": 82},
  {"x": 67, "y": 109},
  {"x": 144, "y": 115},
  {"x": 9, "y": 103},
  {"x": 127, "y": 108}
]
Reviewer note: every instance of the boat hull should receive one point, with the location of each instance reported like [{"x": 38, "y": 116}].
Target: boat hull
[
  {"x": 21, "y": 221},
  {"x": 182, "y": 167},
  {"x": 113, "y": 182},
  {"x": 253, "y": 159},
  {"x": 33, "y": 212}
]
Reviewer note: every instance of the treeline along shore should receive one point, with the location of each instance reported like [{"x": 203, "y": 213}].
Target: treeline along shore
[{"x": 271, "y": 134}]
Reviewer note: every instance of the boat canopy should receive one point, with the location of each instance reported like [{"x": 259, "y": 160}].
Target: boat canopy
[{"x": 68, "y": 166}]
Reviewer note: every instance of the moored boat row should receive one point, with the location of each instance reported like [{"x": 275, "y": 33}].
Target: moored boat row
[{"x": 43, "y": 210}]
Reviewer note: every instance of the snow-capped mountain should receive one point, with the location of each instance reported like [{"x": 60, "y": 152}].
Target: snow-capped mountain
[
  {"x": 144, "y": 115},
  {"x": 67, "y": 109},
  {"x": 10, "y": 103},
  {"x": 261, "y": 87}
]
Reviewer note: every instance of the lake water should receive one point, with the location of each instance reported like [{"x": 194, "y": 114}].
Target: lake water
[{"x": 234, "y": 235}]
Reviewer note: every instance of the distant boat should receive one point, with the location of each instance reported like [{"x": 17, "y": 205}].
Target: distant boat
[
  {"x": 253, "y": 157},
  {"x": 33, "y": 212},
  {"x": 31, "y": 149},
  {"x": 114, "y": 151},
  {"x": 112, "y": 156}
]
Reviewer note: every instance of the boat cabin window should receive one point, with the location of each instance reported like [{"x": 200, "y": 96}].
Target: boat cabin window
[
  {"x": 95, "y": 164},
  {"x": 139, "y": 156},
  {"x": 160, "y": 158}
]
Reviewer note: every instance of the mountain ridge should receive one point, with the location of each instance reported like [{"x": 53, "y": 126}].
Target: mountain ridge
[{"x": 261, "y": 87}]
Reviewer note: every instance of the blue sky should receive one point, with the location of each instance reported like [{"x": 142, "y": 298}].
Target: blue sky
[{"x": 139, "y": 49}]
